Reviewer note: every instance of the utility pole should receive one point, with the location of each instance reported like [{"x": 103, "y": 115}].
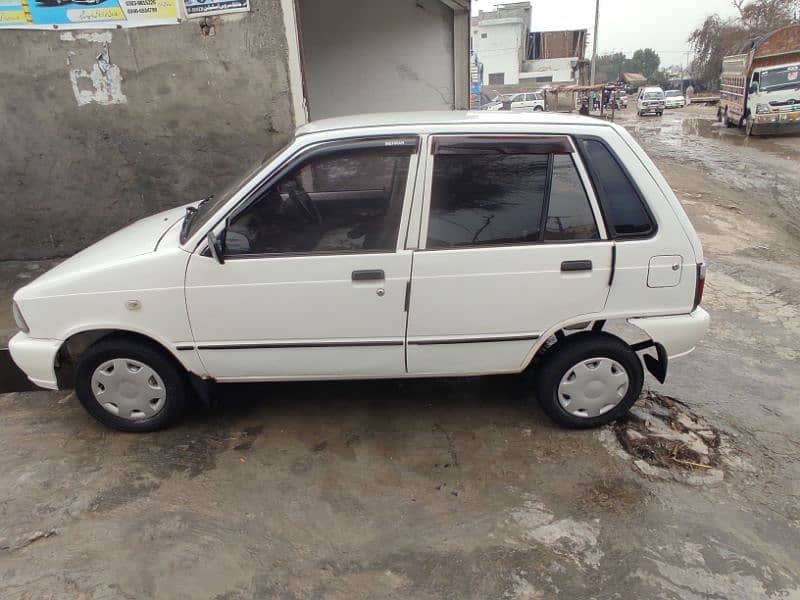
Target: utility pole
[{"x": 594, "y": 41}]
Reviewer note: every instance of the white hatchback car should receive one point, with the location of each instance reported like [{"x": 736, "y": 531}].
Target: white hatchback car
[
  {"x": 527, "y": 101},
  {"x": 386, "y": 246},
  {"x": 674, "y": 99}
]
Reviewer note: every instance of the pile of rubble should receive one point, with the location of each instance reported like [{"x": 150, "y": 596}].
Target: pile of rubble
[{"x": 663, "y": 436}]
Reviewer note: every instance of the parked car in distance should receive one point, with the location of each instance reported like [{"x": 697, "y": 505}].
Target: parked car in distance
[
  {"x": 650, "y": 100},
  {"x": 491, "y": 104},
  {"x": 527, "y": 102},
  {"x": 387, "y": 246},
  {"x": 674, "y": 99}
]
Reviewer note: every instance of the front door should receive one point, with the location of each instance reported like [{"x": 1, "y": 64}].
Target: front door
[
  {"x": 314, "y": 283},
  {"x": 511, "y": 245}
]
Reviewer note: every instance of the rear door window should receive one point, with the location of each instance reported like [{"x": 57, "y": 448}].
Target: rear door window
[
  {"x": 489, "y": 192},
  {"x": 569, "y": 214},
  {"x": 486, "y": 200},
  {"x": 624, "y": 208}
]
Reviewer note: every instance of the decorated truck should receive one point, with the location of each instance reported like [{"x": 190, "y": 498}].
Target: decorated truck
[{"x": 760, "y": 89}]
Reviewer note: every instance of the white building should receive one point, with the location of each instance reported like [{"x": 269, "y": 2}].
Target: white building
[
  {"x": 550, "y": 70},
  {"x": 500, "y": 40},
  {"x": 513, "y": 55}
]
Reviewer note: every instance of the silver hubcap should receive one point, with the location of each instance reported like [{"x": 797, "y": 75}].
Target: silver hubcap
[
  {"x": 592, "y": 387},
  {"x": 128, "y": 389}
]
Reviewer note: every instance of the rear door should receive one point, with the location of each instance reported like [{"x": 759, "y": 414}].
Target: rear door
[
  {"x": 518, "y": 102},
  {"x": 511, "y": 244}
]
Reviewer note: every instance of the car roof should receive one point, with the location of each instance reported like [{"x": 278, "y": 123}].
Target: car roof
[{"x": 452, "y": 117}]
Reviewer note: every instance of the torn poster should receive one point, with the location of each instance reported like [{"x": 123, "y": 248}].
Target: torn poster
[{"x": 86, "y": 14}]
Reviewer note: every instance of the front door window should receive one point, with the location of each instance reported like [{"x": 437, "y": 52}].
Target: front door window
[{"x": 345, "y": 202}]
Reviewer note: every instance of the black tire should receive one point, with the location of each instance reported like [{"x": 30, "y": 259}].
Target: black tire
[
  {"x": 165, "y": 366},
  {"x": 537, "y": 109},
  {"x": 728, "y": 123},
  {"x": 572, "y": 350}
]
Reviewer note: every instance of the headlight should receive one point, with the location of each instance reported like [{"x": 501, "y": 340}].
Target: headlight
[
  {"x": 18, "y": 318},
  {"x": 762, "y": 108}
]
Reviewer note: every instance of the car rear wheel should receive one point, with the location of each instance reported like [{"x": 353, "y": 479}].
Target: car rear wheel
[
  {"x": 592, "y": 380},
  {"x": 129, "y": 385}
]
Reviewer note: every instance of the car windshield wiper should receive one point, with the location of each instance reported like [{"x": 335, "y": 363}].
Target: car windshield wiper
[{"x": 191, "y": 213}]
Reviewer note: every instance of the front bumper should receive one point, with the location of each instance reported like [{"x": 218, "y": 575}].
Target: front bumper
[
  {"x": 36, "y": 358},
  {"x": 678, "y": 334},
  {"x": 777, "y": 122}
]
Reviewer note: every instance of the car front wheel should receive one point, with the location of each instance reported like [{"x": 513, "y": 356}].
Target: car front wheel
[
  {"x": 592, "y": 380},
  {"x": 130, "y": 385}
]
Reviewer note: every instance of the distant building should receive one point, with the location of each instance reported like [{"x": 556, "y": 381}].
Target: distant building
[
  {"x": 557, "y": 57},
  {"x": 634, "y": 80},
  {"x": 517, "y": 58},
  {"x": 500, "y": 41}
]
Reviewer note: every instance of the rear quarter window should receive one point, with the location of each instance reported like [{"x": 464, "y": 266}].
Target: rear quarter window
[{"x": 624, "y": 208}]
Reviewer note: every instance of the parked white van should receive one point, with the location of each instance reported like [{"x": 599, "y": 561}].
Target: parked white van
[
  {"x": 387, "y": 246},
  {"x": 651, "y": 100}
]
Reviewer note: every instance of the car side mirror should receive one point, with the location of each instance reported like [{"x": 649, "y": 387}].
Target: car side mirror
[
  {"x": 753, "y": 88},
  {"x": 216, "y": 246}
]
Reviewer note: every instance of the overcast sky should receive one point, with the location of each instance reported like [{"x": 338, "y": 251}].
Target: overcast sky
[{"x": 626, "y": 25}]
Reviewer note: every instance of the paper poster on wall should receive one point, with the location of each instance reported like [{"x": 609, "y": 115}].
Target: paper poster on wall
[
  {"x": 86, "y": 14},
  {"x": 200, "y": 8}
]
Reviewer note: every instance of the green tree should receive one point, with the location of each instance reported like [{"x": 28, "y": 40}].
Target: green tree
[
  {"x": 659, "y": 78},
  {"x": 645, "y": 62}
]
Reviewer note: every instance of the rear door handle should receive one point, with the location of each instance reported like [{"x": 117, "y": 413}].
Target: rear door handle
[
  {"x": 369, "y": 275},
  {"x": 576, "y": 265}
]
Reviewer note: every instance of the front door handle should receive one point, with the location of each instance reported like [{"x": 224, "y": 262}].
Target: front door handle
[
  {"x": 569, "y": 266},
  {"x": 369, "y": 275}
]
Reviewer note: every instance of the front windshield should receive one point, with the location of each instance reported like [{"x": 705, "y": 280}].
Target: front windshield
[
  {"x": 206, "y": 209},
  {"x": 780, "y": 77},
  {"x": 672, "y": 93},
  {"x": 653, "y": 96}
]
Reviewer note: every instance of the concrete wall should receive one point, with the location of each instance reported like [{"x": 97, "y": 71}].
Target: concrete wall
[
  {"x": 377, "y": 56},
  {"x": 176, "y": 116}
]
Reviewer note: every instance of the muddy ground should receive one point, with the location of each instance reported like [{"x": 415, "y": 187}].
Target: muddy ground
[{"x": 449, "y": 489}]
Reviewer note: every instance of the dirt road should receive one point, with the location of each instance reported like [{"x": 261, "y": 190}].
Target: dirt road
[{"x": 449, "y": 489}]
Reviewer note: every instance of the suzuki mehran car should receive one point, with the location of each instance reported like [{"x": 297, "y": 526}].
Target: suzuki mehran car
[
  {"x": 387, "y": 246},
  {"x": 674, "y": 99}
]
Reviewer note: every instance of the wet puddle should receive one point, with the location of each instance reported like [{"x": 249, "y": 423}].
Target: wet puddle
[{"x": 764, "y": 164}]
